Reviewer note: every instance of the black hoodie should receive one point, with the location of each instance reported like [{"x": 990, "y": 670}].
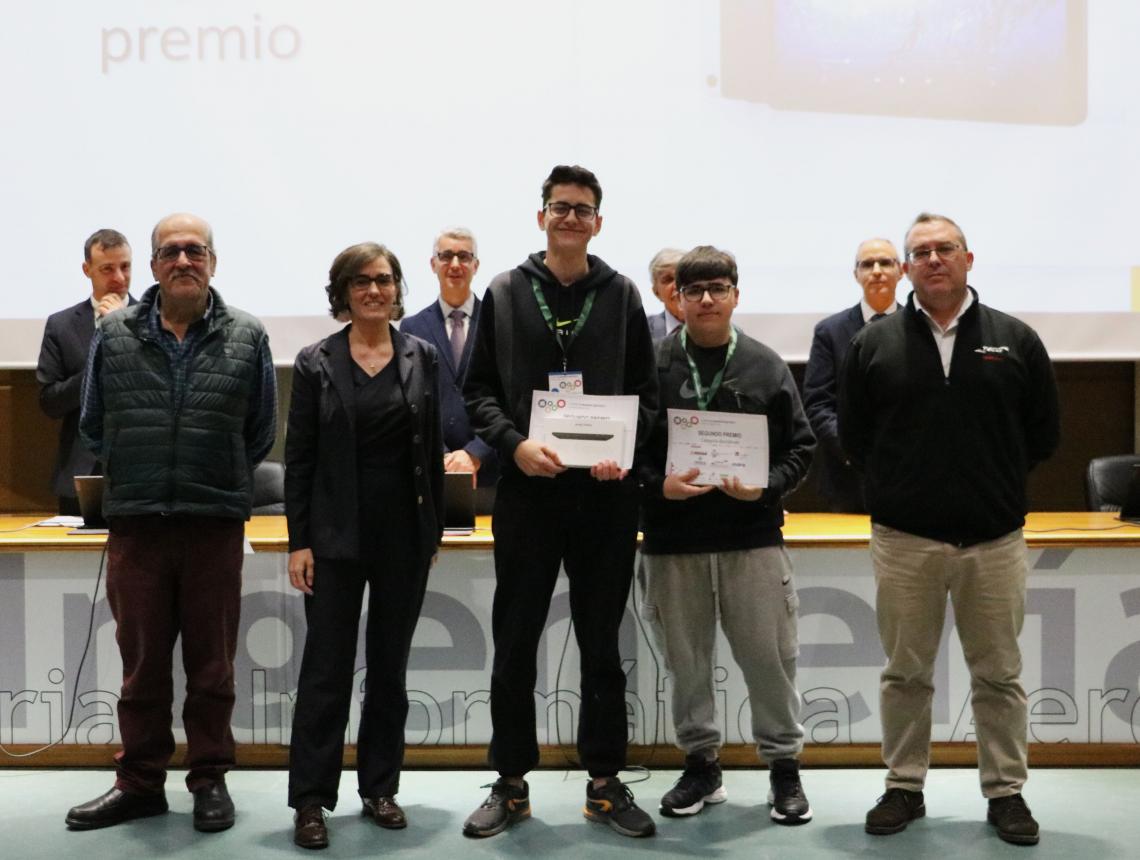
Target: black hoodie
[{"x": 515, "y": 349}]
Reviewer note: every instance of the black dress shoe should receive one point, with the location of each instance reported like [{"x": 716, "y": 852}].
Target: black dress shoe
[
  {"x": 309, "y": 830},
  {"x": 115, "y": 807},
  {"x": 385, "y": 812},
  {"x": 213, "y": 809}
]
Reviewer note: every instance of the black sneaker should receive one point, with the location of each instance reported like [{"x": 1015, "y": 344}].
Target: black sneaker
[
  {"x": 699, "y": 783},
  {"x": 1014, "y": 821},
  {"x": 786, "y": 796},
  {"x": 506, "y": 804},
  {"x": 613, "y": 804},
  {"x": 894, "y": 811}
]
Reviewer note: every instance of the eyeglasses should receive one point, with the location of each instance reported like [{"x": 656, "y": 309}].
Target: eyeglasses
[
  {"x": 944, "y": 252},
  {"x": 464, "y": 257},
  {"x": 361, "y": 283},
  {"x": 696, "y": 292},
  {"x": 881, "y": 262},
  {"x": 194, "y": 252},
  {"x": 584, "y": 211}
]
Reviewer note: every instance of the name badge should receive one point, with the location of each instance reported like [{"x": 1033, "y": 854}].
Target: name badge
[{"x": 566, "y": 382}]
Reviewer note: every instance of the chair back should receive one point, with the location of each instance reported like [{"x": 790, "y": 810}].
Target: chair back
[
  {"x": 1107, "y": 480},
  {"x": 269, "y": 488}
]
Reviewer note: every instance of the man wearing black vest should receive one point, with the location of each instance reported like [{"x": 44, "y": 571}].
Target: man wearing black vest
[{"x": 179, "y": 402}]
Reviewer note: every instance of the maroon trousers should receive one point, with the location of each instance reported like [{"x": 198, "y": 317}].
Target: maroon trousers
[{"x": 166, "y": 576}]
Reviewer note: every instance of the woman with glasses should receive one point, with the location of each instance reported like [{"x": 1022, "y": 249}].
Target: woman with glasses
[{"x": 364, "y": 503}]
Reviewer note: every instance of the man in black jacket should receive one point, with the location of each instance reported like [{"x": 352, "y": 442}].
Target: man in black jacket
[
  {"x": 562, "y": 317},
  {"x": 63, "y": 355},
  {"x": 877, "y": 269},
  {"x": 947, "y": 405},
  {"x": 715, "y": 550}
]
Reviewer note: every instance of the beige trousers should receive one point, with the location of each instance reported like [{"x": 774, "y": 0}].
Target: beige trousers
[{"x": 986, "y": 585}]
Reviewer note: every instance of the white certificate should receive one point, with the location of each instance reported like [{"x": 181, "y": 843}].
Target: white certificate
[
  {"x": 584, "y": 429},
  {"x": 720, "y": 444}
]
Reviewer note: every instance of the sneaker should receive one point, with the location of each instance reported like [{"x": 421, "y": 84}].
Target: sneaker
[
  {"x": 1014, "y": 821},
  {"x": 613, "y": 804},
  {"x": 786, "y": 796},
  {"x": 506, "y": 804},
  {"x": 699, "y": 783},
  {"x": 894, "y": 811}
]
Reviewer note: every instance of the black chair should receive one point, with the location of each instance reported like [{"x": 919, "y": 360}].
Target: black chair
[
  {"x": 269, "y": 488},
  {"x": 1107, "y": 480}
]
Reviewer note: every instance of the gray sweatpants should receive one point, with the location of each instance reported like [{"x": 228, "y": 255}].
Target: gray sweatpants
[{"x": 753, "y": 594}]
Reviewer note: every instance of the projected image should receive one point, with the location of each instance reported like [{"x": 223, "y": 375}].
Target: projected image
[{"x": 1011, "y": 61}]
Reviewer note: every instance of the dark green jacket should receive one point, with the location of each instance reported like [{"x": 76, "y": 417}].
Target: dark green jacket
[{"x": 166, "y": 457}]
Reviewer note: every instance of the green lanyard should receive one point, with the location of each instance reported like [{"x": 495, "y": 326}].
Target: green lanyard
[
  {"x": 587, "y": 306},
  {"x": 704, "y": 398}
]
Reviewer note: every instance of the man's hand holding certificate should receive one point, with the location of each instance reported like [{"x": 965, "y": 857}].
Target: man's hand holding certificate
[{"x": 727, "y": 449}]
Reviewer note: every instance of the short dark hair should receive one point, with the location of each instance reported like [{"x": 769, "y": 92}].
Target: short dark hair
[
  {"x": 926, "y": 218},
  {"x": 104, "y": 238},
  {"x": 704, "y": 262},
  {"x": 567, "y": 174},
  {"x": 348, "y": 264}
]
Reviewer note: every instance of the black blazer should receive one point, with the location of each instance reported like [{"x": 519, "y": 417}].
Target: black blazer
[
  {"x": 59, "y": 373},
  {"x": 839, "y": 483},
  {"x": 321, "y": 504},
  {"x": 428, "y": 325}
]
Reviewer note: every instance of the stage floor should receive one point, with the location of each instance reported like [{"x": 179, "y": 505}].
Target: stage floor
[{"x": 1083, "y": 813}]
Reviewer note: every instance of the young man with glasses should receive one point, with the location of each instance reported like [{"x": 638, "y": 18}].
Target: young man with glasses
[
  {"x": 717, "y": 551},
  {"x": 450, "y": 323},
  {"x": 180, "y": 401},
  {"x": 877, "y": 270},
  {"x": 946, "y": 406},
  {"x": 561, "y": 316}
]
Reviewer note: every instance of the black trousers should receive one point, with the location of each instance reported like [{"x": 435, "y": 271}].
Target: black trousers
[
  {"x": 396, "y": 581},
  {"x": 590, "y": 527}
]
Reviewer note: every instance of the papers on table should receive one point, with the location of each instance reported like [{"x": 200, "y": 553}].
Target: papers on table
[
  {"x": 720, "y": 444},
  {"x": 585, "y": 429},
  {"x": 61, "y": 520}
]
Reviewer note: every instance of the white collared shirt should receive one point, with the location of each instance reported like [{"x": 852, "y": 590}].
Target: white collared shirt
[
  {"x": 468, "y": 308},
  {"x": 869, "y": 312},
  {"x": 944, "y": 337},
  {"x": 671, "y": 322}
]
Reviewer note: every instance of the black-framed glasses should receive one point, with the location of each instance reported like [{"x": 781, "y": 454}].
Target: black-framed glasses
[
  {"x": 696, "y": 292},
  {"x": 466, "y": 258},
  {"x": 944, "y": 250},
  {"x": 584, "y": 211},
  {"x": 194, "y": 252},
  {"x": 361, "y": 283},
  {"x": 868, "y": 265}
]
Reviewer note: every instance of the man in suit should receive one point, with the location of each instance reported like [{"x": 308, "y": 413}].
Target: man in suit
[
  {"x": 663, "y": 277},
  {"x": 878, "y": 272},
  {"x": 63, "y": 356},
  {"x": 449, "y": 323}
]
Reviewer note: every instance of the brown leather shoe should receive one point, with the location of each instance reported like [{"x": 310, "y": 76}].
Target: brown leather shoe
[
  {"x": 385, "y": 812},
  {"x": 309, "y": 830}
]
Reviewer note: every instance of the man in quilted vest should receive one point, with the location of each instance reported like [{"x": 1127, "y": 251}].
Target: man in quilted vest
[{"x": 179, "y": 403}]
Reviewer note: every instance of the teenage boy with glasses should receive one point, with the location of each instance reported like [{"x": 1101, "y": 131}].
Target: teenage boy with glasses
[
  {"x": 563, "y": 314},
  {"x": 717, "y": 551}
]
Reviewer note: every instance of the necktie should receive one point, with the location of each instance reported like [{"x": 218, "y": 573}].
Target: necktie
[
  {"x": 457, "y": 338},
  {"x": 877, "y": 317}
]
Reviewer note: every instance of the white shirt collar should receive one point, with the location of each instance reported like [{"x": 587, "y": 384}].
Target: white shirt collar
[
  {"x": 869, "y": 312},
  {"x": 468, "y": 307}
]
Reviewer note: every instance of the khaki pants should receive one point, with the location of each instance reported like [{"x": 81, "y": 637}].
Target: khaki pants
[{"x": 986, "y": 585}]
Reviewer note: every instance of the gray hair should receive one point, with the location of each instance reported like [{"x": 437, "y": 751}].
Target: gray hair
[
  {"x": 461, "y": 233},
  {"x": 663, "y": 259},
  {"x": 926, "y": 218},
  {"x": 162, "y": 221}
]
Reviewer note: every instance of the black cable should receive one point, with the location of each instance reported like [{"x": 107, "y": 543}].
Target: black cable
[{"x": 78, "y": 671}]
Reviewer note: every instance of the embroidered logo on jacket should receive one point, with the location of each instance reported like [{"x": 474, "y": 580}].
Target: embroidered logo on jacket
[{"x": 992, "y": 353}]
